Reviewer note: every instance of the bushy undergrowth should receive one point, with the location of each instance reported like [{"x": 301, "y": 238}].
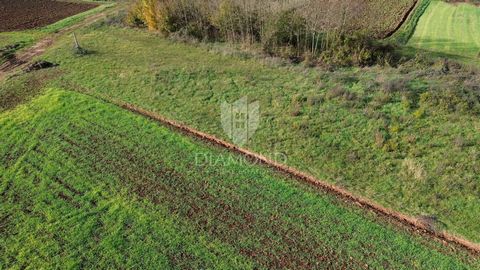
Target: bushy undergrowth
[{"x": 284, "y": 30}]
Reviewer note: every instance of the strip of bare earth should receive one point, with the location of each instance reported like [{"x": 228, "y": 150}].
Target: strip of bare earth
[{"x": 26, "y": 14}]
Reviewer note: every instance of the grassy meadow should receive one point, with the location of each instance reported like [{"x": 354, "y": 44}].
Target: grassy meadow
[
  {"x": 86, "y": 184},
  {"x": 394, "y": 135},
  {"x": 407, "y": 29},
  {"x": 449, "y": 30}
]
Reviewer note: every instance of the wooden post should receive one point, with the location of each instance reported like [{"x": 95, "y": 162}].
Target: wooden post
[{"x": 77, "y": 46}]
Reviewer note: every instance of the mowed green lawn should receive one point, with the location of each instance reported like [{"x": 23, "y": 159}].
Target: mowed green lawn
[
  {"x": 87, "y": 184},
  {"x": 450, "y": 30}
]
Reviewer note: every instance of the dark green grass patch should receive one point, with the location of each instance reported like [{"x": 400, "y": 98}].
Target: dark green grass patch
[{"x": 87, "y": 184}]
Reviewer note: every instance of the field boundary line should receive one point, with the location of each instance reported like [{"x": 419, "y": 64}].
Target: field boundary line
[
  {"x": 410, "y": 222},
  {"x": 407, "y": 28},
  {"x": 403, "y": 20}
]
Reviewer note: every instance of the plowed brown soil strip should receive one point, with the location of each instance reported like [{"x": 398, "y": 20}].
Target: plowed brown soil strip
[
  {"x": 27, "y": 14},
  {"x": 412, "y": 223},
  {"x": 23, "y": 58}
]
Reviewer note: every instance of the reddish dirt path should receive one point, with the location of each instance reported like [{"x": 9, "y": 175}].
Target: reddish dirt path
[
  {"x": 25, "y": 56},
  {"x": 27, "y": 14}
]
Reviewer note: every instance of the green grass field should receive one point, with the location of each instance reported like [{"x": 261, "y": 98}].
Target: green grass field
[
  {"x": 391, "y": 147},
  {"x": 87, "y": 184},
  {"x": 449, "y": 30},
  {"x": 406, "y": 30}
]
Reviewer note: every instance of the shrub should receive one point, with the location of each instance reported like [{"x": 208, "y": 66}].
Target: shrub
[
  {"x": 452, "y": 100},
  {"x": 235, "y": 23},
  {"x": 459, "y": 142},
  {"x": 419, "y": 113},
  {"x": 285, "y": 30},
  {"x": 345, "y": 79},
  {"x": 406, "y": 102},
  {"x": 350, "y": 96},
  {"x": 150, "y": 14},
  {"x": 309, "y": 60},
  {"x": 373, "y": 114},
  {"x": 315, "y": 100},
  {"x": 8, "y": 52},
  {"x": 296, "y": 109},
  {"x": 395, "y": 85},
  {"x": 186, "y": 16},
  {"x": 357, "y": 50},
  {"x": 419, "y": 62},
  {"x": 135, "y": 15},
  {"x": 414, "y": 169},
  {"x": 379, "y": 139},
  {"x": 171, "y": 16},
  {"x": 381, "y": 99},
  {"x": 370, "y": 86},
  {"x": 473, "y": 83}
]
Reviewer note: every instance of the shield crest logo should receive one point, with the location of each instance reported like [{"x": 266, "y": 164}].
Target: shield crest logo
[{"x": 240, "y": 120}]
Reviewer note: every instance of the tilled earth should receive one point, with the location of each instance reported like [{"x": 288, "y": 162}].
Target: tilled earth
[{"x": 27, "y": 14}]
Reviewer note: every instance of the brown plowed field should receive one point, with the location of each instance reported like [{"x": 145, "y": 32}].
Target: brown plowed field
[{"x": 27, "y": 14}]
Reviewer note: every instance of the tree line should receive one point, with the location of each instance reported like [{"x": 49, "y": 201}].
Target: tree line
[{"x": 318, "y": 31}]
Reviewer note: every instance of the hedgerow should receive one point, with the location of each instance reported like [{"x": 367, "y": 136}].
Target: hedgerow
[{"x": 283, "y": 29}]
